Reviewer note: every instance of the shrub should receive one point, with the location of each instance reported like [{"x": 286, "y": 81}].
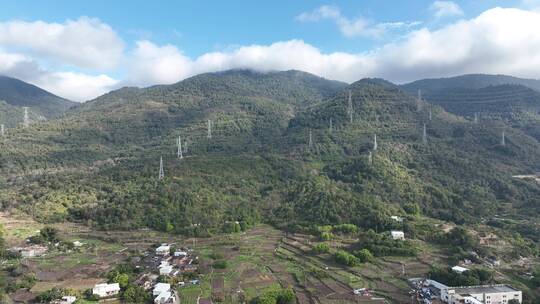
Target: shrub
[
  {"x": 345, "y": 258},
  {"x": 321, "y": 248}
]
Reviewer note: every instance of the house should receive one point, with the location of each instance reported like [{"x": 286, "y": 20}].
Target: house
[
  {"x": 161, "y": 288},
  {"x": 30, "y": 251},
  {"x": 190, "y": 268},
  {"x": 180, "y": 253},
  {"x": 77, "y": 244},
  {"x": 459, "y": 269},
  {"x": 166, "y": 297},
  {"x": 105, "y": 290},
  {"x": 397, "y": 218},
  {"x": 165, "y": 270},
  {"x": 397, "y": 235},
  {"x": 486, "y": 294},
  {"x": 164, "y": 250},
  {"x": 65, "y": 300}
]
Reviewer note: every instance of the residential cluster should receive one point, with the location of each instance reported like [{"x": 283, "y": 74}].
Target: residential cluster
[{"x": 175, "y": 265}]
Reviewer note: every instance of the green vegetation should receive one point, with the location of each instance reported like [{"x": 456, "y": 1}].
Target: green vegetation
[
  {"x": 345, "y": 258},
  {"x": 276, "y": 296},
  {"x": 97, "y": 165},
  {"x": 467, "y": 278}
]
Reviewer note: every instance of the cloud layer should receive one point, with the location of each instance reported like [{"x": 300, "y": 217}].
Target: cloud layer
[
  {"x": 358, "y": 27},
  {"x": 500, "y": 40}
]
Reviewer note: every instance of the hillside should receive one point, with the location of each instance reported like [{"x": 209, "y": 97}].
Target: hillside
[
  {"x": 470, "y": 81},
  {"x": 516, "y": 105},
  {"x": 259, "y": 153},
  {"x": 285, "y": 150},
  {"x": 20, "y": 94}
]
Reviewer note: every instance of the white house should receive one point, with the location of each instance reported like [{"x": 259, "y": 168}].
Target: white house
[
  {"x": 166, "y": 297},
  {"x": 65, "y": 300},
  {"x": 104, "y": 290},
  {"x": 160, "y": 288},
  {"x": 459, "y": 269},
  {"x": 165, "y": 270},
  {"x": 397, "y": 235},
  {"x": 164, "y": 249},
  {"x": 397, "y": 218},
  {"x": 486, "y": 294},
  {"x": 180, "y": 253}
]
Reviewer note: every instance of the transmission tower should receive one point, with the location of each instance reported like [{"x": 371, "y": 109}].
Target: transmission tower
[
  {"x": 375, "y": 145},
  {"x": 2, "y": 131},
  {"x": 370, "y": 158},
  {"x": 209, "y": 129},
  {"x": 430, "y": 113},
  {"x": 475, "y": 117},
  {"x": 185, "y": 146},
  {"x": 424, "y": 135},
  {"x": 310, "y": 140},
  {"x": 350, "y": 109},
  {"x": 179, "y": 152},
  {"x": 330, "y": 127},
  {"x": 503, "y": 139},
  {"x": 161, "y": 173},
  {"x": 419, "y": 100},
  {"x": 26, "y": 120}
]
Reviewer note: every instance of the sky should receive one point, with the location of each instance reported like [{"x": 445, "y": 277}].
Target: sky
[{"x": 82, "y": 49}]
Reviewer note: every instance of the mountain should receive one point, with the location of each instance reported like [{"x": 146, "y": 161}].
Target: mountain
[
  {"x": 518, "y": 105},
  {"x": 98, "y": 164},
  {"x": 41, "y": 104},
  {"x": 470, "y": 81}
]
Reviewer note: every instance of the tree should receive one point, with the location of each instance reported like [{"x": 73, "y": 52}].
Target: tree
[
  {"x": 122, "y": 279},
  {"x": 364, "y": 256},
  {"x": 135, "y": 295}
]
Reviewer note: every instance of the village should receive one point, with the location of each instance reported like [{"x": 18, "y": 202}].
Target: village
[{"x": 236, "y": 268}]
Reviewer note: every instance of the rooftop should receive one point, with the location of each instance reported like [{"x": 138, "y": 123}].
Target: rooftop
[{"x": 483, "y": 289}]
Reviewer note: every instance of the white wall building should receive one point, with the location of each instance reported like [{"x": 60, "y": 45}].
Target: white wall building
[
  {"x": 487, "y": 294},
  {"x": 106, "y": 290},
  {"x": 166, "y": 297},
  {"x": 161, "y": 288},
  {"x": 459, "y": 269},
  {"x": 164, "y": 249},
  {"x": 397, "y": 235}
]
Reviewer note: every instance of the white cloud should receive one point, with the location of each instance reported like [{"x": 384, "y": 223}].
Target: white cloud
[
  {"x": 497, "y": 41},
  {"x": 359, "y": 27},
  {"x": 70, "y": 85},
  {"x": 442, "y": 9},
  {"x": 500, "y": 40},
  {"x": 76, "y": 86},
  {"x": 85, "y": 42}
]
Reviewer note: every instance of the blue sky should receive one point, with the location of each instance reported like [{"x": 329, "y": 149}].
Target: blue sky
[{"x": 80, "y": 49}]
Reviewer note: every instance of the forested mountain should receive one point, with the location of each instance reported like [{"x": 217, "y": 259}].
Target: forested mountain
[
  {"x": 517, "y": 105},
  {"x": 282, "y": 148},
  {"x": 18, "y": 94},
  {"x": 470, "y": 81}
]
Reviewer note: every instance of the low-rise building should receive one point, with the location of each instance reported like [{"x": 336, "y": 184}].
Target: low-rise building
[
  {"x": 165, "y": 270},
  {"x": 166, "y": 297},
  {"x": 397, "y": 235},
  {"x": 160, "y": 288},
  {"x": 487, "y": 294},
  {"x": 164, "y": 250},
  {"x": 30, "y": 251},
  {"x": 65, "y": 300},
  {"x": 105, "y": 290},
  {"x": 459, "y": 269}
]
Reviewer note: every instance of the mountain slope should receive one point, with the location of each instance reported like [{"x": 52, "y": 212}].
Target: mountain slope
[
  {"x": 98, "y": 164},
  {"x": 516, "y": 105},
  {"x": 21, "y": 94},
  {"x": 470, "y": 81}
]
